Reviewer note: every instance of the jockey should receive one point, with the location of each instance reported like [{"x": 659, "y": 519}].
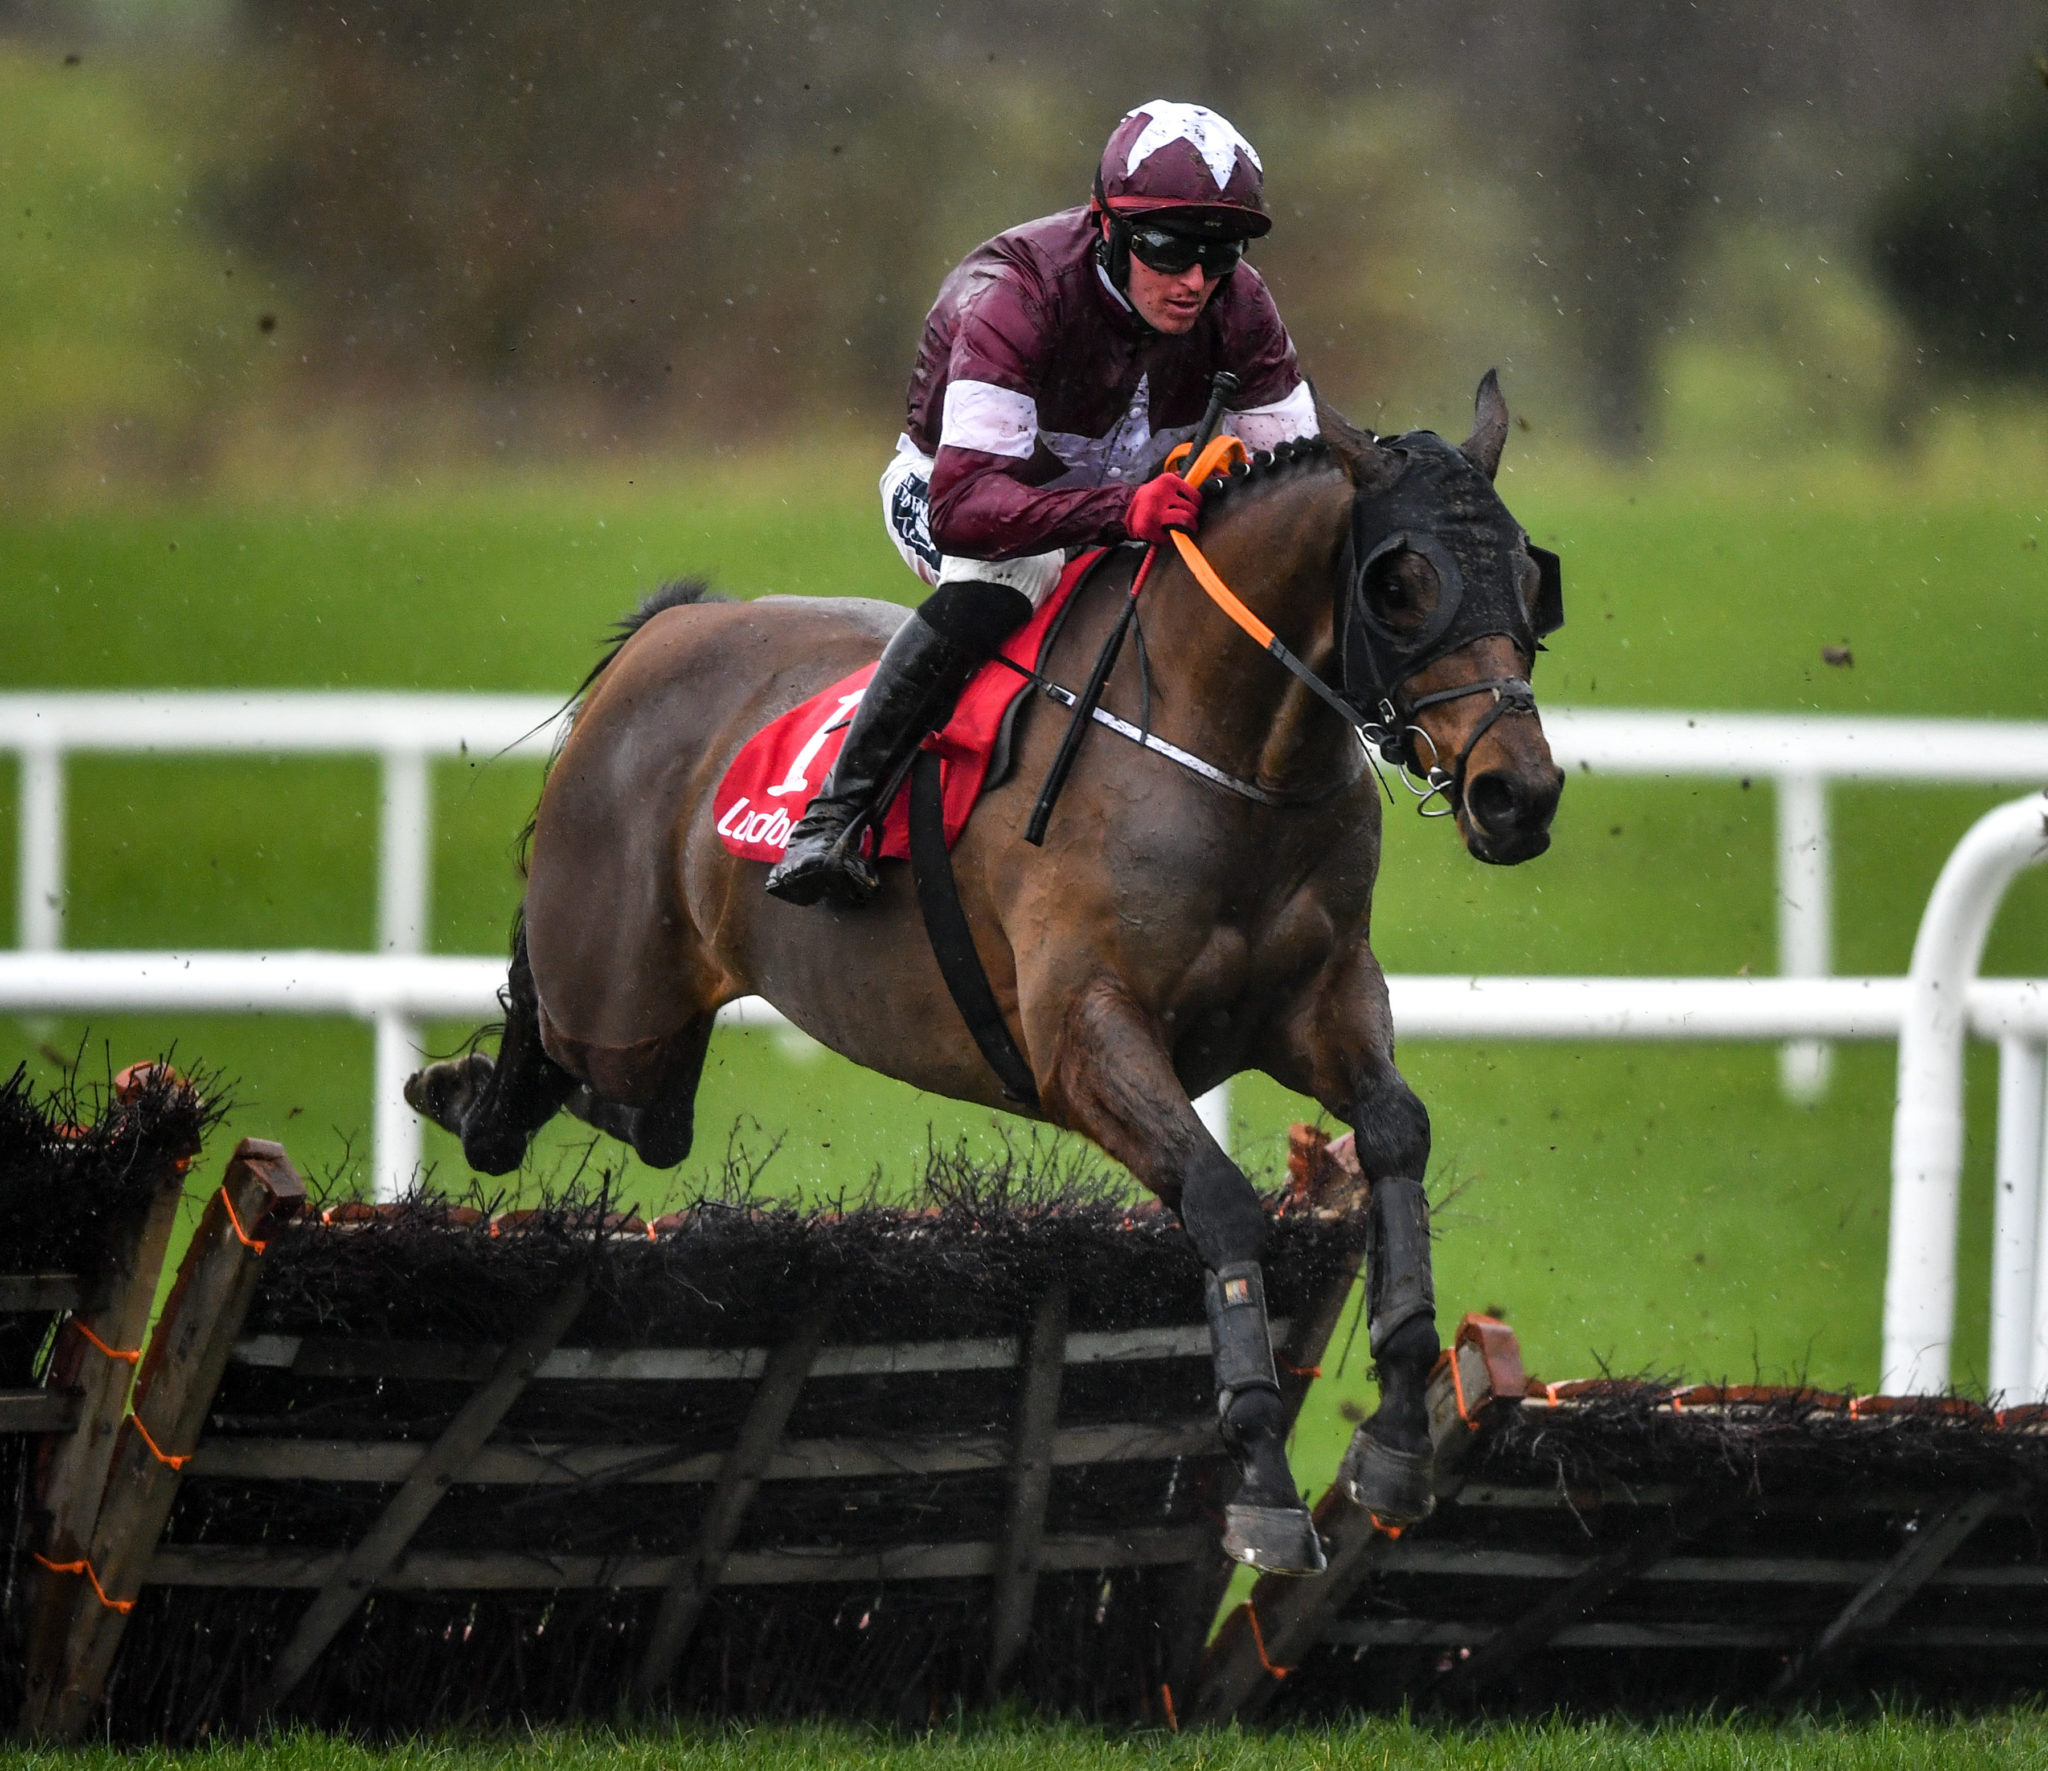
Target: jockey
[{"x": 1059, "y": 365}]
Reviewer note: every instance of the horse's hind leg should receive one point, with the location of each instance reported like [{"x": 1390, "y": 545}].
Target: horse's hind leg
[
  {"x": 496, "y": 1107},
  {"x": 662, "y": 1131},
  {"x": 1112, "y": 1078}
]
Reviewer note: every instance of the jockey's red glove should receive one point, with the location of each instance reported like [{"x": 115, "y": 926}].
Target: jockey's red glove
[{"x": 1168, "y": 502}]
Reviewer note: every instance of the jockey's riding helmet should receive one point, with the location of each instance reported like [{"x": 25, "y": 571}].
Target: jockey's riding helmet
[{"x": 1179, "y": 186}]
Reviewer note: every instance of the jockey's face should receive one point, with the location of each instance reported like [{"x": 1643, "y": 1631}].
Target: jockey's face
[{"x": 1170, "y": 301}]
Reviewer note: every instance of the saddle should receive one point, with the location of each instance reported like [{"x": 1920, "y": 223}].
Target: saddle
[{"x": 782, "y": 765}]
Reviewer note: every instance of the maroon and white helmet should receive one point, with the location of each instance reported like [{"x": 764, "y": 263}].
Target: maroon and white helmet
[{"x": 1186, "y": 166}]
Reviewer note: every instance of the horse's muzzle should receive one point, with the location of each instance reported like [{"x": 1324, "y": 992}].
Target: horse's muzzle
[{"x": 1506, "y": 813}]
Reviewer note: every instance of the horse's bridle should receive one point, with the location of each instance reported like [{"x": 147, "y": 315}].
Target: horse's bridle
[
  {"x": 1395, "y": 738},
  {"x": 1376, "y": 660}
]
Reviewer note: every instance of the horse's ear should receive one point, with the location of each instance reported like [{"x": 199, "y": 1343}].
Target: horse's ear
[
  {"x": 1489, "y": 426},
  {"x": 1371, "y": 468}
]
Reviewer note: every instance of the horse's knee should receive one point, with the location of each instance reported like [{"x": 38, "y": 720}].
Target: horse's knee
[
  {"x": 1221, "y": 1210},
  {"x": 1391, "y": 1127}
]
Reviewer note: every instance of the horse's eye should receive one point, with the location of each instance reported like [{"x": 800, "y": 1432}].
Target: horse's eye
[
  {"x": 1403, "y": 588},
  {"x": 1528, "y": 580}
]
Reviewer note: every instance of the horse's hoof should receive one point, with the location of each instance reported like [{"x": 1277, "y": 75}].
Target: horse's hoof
[
  {"x": 1274, "y": 1540},
  {"x": 446, "y": 1091},
  {"x": 495, "y": 1152},
  {"x": 1392, "y": 1485}
]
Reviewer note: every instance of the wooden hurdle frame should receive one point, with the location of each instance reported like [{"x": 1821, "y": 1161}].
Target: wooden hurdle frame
[
  {"x": 86, "y": 1613},
  {"x": 1481, "y": 1593},
  {"x": 1655, "y": 1556},
  {"x": 103, "y": 1528},
  {"x": 76, "y": 1413}
]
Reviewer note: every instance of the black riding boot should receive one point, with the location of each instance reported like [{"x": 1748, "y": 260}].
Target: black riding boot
[
  {"x": 1266, "y": 1525},
  {"x": 921, "y": 673}
]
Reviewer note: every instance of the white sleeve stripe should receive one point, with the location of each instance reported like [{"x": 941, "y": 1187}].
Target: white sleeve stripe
[
  {"x": 1280, "y": 421},
  {"x": 994, "y": 420}
]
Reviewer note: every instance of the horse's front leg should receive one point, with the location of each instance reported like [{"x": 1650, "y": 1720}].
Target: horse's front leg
[
  {"x": 1111, "y": 1077},
  {"x": 1340, "y": 1049}
]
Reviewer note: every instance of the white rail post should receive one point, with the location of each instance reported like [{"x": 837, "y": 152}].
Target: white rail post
[
  {"x": 39, "y": 913},
  {"x": 2015, "y": 1221},
  {"x": 402, "y": 875},
  {"x": 1805, "y": 920},
  {"x": 2037, "y": 1347},
  {"x": 1213, "y": 1109},
  {"x": 394, "y": 1129},
  {"x": 1927, "y": 1128},
  {"x": 402, "y": 852}
]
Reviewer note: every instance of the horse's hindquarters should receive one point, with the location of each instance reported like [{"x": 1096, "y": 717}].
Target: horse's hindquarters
[{"x": 630, "y": 887}]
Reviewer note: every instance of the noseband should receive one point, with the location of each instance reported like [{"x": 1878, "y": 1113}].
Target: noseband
[{"x": 1396, "y": 738}]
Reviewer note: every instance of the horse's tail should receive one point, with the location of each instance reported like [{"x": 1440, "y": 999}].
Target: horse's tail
[{"x": 677, "y": 593}]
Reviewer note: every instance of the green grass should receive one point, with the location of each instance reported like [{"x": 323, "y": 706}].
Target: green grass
[
  {"x": 1895, "y": 1743},
  {"x": 1650, "y": 1207}
]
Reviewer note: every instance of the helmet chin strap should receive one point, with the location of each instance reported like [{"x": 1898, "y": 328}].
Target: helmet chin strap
[
  {"x": 1113, "y": 255},
  {"x": 1121, "y": 297}
]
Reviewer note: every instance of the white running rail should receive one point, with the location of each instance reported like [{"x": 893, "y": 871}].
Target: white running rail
[
  {"x": 1928, "y": 1013},
  {"x": 1801, "y": 755},
  {"x": 1943, "y": 1003},
  {"x": 403, "y": 731}
]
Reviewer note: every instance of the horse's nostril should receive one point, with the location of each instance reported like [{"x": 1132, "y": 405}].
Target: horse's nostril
[{"x": 1493, "y": 800}]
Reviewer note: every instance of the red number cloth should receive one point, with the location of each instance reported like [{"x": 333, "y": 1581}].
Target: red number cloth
[{"x": 778, "y": 769}]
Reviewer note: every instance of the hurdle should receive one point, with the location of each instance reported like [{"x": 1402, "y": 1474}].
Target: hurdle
[{"x": 404, "y": 1466}]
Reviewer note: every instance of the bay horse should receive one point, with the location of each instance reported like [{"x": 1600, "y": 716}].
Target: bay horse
[{"x": 1172, "y": 931}]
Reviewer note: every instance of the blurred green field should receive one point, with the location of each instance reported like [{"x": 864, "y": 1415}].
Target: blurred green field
[{"x": 1645, "y": 1207}]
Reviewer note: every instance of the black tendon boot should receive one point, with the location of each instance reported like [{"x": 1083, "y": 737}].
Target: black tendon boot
[
  {"x": 1266, "y": 1525},
  {"x": 1386, "y": 1469},
  {"x": 922, "y": 671}
]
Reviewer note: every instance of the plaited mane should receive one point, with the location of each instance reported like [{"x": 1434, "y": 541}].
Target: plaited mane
[{"x": 1263, "y": 463}]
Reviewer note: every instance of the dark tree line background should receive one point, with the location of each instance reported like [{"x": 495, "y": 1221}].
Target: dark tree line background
[
  {"x": 1962, "y": 239},
  {"x": 733, "y": 214}
]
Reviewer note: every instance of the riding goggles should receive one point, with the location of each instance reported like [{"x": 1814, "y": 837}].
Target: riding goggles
[{"x": 1164, "y": 250}]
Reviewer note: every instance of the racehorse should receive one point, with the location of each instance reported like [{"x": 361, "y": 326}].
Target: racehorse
[{"x": 1174, "y": 929}]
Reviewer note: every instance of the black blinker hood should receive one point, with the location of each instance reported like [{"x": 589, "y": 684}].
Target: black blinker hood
[{"x": 1443, "y": 507}]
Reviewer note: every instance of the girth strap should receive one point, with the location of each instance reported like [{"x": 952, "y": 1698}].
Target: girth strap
[{"x": 945, "y": 926}]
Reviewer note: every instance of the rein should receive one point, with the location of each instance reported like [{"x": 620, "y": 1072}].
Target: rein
[{"x": 1390, "y": 733}]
